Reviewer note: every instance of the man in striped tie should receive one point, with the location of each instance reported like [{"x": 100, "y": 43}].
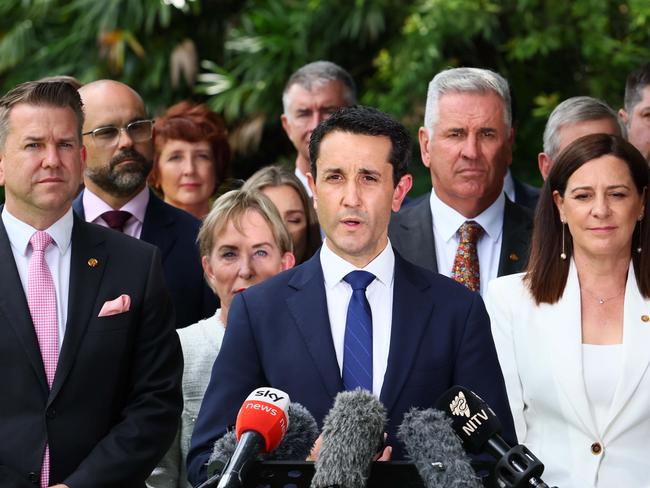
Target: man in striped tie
[
  {"x": 356, "y": 315},
  {"x": 90, "y": 364}
]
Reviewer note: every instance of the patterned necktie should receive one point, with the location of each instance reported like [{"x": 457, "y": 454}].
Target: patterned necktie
[
  {"x": 357, "y": 355},
  {"x": 41, "y": 298},
  {"x": 466, "y": 267},
  {"x": 116, "y": 219}
]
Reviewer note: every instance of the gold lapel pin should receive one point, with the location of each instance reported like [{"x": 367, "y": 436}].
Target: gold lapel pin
[
  {"x": 645, "y": 318},
  {"x": 92, "y": 262},
  {"x": 513, "y": 257}
]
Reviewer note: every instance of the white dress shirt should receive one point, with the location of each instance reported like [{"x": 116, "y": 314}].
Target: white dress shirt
[
  {"x": 380, "y": 298},
  {"x": 57, "y": 257},
  {"x": 446, "y": 222},
  {"x": 509, "y": 186},
  {"x": 94, "y": 207},
  {"x": 303, "y": 179}
]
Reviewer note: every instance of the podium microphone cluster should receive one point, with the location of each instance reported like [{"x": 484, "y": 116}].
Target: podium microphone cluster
[{"x": 478, "y": 428}]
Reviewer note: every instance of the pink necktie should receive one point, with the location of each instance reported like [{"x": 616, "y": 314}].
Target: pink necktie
[{"x": 41, "y": 298}]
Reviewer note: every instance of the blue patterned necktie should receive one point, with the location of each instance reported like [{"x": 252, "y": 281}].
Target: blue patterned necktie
[{"x": 357, "y": 355}]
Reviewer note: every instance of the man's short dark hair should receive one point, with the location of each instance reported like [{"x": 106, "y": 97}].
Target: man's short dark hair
[
  {"x": 370, "y": 122},
  {"x": 59, "y": 94},
  {"x": 637, "y": 80}
]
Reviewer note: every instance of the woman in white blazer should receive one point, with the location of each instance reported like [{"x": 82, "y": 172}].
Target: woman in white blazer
[
  {"x": 573, "y": 331},
  {"x": 243, "y": 241}
]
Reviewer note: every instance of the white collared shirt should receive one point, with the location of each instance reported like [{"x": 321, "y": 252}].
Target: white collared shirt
[
  {"x": 57, "y": 257},
  {"x": 380, "y": 298},
  {"x": 509, "y": 186},
  {"x": 446, "y": 222},
  {"x": 303, "y": 179},
  {"x": 94, "y": 207}
]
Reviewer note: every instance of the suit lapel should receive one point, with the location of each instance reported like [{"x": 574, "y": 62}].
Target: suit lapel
[
  {"x": 636, "y": 354},
  {"x": 563, "y": 320},
  {"x": 411, "y": 231},
  {"x": 87, "y": 263},
  {"x": 158, "y": 226},
  {"x": 408, "y": 326},
  {"x": 13, "y": 305},
  {"x": 517, "y": 229},
  {"x": 308, "y": 306}
]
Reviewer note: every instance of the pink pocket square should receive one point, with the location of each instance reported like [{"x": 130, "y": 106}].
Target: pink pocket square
[{"x": 112, "y": 307}]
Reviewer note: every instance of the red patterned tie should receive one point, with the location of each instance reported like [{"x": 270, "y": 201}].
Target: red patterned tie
[
  {"x": 466, "y": 267},
  {"x": 41, "y": 298}
]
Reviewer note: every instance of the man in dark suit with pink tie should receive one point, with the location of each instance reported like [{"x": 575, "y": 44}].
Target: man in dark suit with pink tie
[{"x": 90, "y": 363}]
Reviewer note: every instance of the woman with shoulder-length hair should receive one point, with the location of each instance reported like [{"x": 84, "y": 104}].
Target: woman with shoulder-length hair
[
  {"x": 242, "y": 241},
  {"x": 288, "y": 194},
  {"x": 191, "y": 157},
  {"x": 573, "y": 331}
]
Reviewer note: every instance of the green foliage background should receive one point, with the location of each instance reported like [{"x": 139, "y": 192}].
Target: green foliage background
[{"x": 548, "y": 49}]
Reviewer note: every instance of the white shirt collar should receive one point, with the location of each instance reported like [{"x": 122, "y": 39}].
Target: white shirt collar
[
  {"x": 509, "y": 186},
  {"x": 447, "y": 220},
  {"x": 20, "y": 233},
  {"x": 335, "y": 267}
]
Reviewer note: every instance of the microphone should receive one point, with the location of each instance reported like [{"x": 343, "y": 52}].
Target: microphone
[
  {"x": 478, "y": 428},
  {"x": 435, "y": 450},
  {"x": 296, "y": 444},
  {"x": 261, "y": 425},
  {"x": 353, "y": 434}
]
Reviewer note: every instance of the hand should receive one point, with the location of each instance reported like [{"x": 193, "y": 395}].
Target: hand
[
  {"x": 61, "y": 485},
  {"x": 315, "y": 449},
  {"x": 386, "y": 453}
]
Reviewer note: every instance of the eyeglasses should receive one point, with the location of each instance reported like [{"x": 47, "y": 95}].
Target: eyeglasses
[{"x": 138, "y": 131}]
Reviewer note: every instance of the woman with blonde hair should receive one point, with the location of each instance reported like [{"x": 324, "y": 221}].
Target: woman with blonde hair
[
  {"x": 242, "y": 241},
  {"x": 287, "y": 193}
]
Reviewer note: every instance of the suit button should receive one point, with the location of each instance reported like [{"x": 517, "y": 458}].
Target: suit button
[
  {"x": 596, "y": 448},
  {"x": 33, "y": 477},
  {"x": 50, "y": 413}
]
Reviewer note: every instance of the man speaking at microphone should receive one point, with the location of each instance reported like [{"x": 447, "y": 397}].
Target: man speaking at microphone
[{"x": 356, "y": 314}]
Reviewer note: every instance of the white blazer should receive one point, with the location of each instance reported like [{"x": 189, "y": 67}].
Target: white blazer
[{"x": 540, "y": 351}]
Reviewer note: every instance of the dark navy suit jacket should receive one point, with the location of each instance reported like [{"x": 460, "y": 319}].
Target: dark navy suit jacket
[
  {"x": 174, "y": 232},
  {"x": 279, "y": 335}
]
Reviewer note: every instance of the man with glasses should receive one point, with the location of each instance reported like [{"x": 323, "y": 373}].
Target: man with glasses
[{"x": 118, "y": 137}]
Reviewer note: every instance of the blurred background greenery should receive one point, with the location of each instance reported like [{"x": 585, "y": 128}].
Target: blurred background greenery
[{"x": 237, "y": 55}]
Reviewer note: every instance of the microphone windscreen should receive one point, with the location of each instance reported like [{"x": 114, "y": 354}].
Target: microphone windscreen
[
  {"x": 353, "y": 433},
  {"x": 299, "y": 438},
  {"x": 223, "y": 449},
  {"x": 472, "y": 418},
  {"x": 435, "y": 450}
]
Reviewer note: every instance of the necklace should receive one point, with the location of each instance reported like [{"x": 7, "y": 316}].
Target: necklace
[{"x": 601, "y": 300}]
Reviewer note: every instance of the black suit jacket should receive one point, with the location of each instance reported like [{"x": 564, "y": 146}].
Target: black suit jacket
[
  {"x": 411, "y": 233},
  {"x": 525, "y": 194},
  {"x": 115, "y": 401},
  {"x": 174, "y": 232},
  {"x": 279, "y": 334}
]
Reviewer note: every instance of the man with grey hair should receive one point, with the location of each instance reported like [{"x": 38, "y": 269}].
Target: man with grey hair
[
  {"x": 636, "y": 112},
  {"x": 573, "y": 118},
  {"x": 311, "y": 95},
  {"x": 467, "y": 228}
]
